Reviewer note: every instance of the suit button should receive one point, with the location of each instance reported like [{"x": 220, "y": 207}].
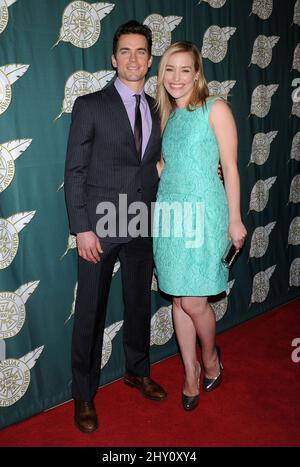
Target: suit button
[{"x": 139, "y": 190}]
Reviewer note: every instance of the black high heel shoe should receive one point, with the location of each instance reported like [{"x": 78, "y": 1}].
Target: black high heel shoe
[
  {"x": 209, "y": 384},
  {"x": 191, "y": 402}
]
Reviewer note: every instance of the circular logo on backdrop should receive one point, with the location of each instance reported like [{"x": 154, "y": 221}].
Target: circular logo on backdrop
[
  {"x": 260, "y": 240},
  {"x": 14, "y": 381},
  {"x": 81, "y": 24},
  {"x": 215, "y": 42},
  {"x": 3, "y": 15},
  {"x": 215, "y": 3},
  {"x": 296, "y": 60},
  {"x": 12, "y": 314},
  {"x": 83, "y": 82},
  {"x": 79, "y": 84},
  {"x": 9, "y": 152},
  {"x": 295, "y": 149},
  {"x": 261, "y": 146},
  {"x": 259, "y": 196},
  {"x": 262, "y": 50},
  {"x": 296, "y": 109},
  {"x": 296, "y": 19},
  {"x": 220, "y": 306},
  {"x": 7, "y": 168},
  {"x": 12, "y": 309},
  {"x": 261, "y": 99},
  {"x": 261, "y": 285},
  {"x": 217, "y": 88},
  {"x": 109, "y": 333},
  {"x": 15, "y": 376},
  {"x": 9, "y": 243},
  {"x": 161, "y": 31},
  {"x": 8, "y": 75},
  {"x": 262, "y": 8},
  {"x": 294, "y": 279},
  {"x": 161, "y": 326},
  {"x": 106, "y": 349},
  {"x": 71, "y": 244},
  {"x": 294, "y": 196},
  {"x": 294, "y": 232},
  {"x": 9, "y": 238},
  {"x": 161, "y": 34},
  {"x": 5, "y": 92},
  {"x": 151, "y": 86}
]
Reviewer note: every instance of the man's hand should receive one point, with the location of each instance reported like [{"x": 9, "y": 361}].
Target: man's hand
[{"x": 89, "y": 247}]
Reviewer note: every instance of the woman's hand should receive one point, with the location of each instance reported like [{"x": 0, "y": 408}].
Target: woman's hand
[
  {"x": 220, "y": 173},
  {"x": 237, "y": 234}
]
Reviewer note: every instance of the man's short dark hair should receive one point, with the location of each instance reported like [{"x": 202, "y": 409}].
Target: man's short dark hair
[{"x": 133, "y": 27}]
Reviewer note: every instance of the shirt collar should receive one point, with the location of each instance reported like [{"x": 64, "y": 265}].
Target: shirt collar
[{"x": 125, "y": 92}]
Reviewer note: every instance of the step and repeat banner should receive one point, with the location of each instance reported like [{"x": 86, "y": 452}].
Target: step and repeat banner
[{"x": 51, "y": 52}]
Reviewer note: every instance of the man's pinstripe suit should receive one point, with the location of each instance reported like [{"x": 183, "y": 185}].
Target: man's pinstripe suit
[{"x": 101, "y": 163}]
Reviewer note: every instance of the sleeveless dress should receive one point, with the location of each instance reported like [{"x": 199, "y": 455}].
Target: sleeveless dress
[{"x": 190, "y": 229}]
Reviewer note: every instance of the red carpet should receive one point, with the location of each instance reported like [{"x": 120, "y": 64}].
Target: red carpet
[{"x": 257, "y": 404}]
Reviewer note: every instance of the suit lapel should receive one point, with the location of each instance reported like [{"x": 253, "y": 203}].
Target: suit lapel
[
  {"x": 120, "y": 115},
  {"x": 122, "y": 120},
  {"x": 153, "y": 129}
]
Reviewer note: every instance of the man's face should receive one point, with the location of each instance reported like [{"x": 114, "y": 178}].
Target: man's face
[{"x": 132, "y": 59}]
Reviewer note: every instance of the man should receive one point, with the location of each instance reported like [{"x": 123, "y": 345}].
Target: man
[{"x": 114, "y": 146}]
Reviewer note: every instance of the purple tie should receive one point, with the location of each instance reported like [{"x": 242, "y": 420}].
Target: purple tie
[{"x": 138, "y": 134}]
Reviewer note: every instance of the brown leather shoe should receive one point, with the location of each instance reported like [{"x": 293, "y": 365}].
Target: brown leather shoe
[
  {"x": 85, "y": 417},
  {"x": 149, "y": 388}
]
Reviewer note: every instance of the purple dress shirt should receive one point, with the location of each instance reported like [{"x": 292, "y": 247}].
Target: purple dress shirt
[{"x": 127, "y": 96}]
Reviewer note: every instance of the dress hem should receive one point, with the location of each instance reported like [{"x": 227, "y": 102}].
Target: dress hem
[{"x": 193, "y": 294}]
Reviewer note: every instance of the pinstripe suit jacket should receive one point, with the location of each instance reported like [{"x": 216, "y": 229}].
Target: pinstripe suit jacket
[{"x": 102, "y": 161}]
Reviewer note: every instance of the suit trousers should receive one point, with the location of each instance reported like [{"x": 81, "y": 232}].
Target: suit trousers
[{"x": 94, "y": 281}]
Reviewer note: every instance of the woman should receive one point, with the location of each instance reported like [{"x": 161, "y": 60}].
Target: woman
[{"x": 197, "y": 132}]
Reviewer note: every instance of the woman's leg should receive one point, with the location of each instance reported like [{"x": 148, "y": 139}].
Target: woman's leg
[
  {"x": 204, "y": 321},
  {"x": 186, "y": 336}
]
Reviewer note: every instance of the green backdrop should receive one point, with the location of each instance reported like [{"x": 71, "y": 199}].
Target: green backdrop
[{"x": 51, "y": 51}]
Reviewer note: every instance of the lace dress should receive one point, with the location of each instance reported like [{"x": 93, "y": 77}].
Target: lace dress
[{"x": 190, "y": 231}]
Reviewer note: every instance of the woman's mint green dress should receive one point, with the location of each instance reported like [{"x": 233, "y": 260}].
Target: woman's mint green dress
[{"x": 190, "y": 231}]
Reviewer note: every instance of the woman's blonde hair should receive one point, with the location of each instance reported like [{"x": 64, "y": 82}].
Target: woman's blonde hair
[{"x": 164, "y": 102}]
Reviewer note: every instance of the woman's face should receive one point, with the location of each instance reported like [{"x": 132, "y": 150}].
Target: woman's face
[{"x": 180, "y": 77}]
